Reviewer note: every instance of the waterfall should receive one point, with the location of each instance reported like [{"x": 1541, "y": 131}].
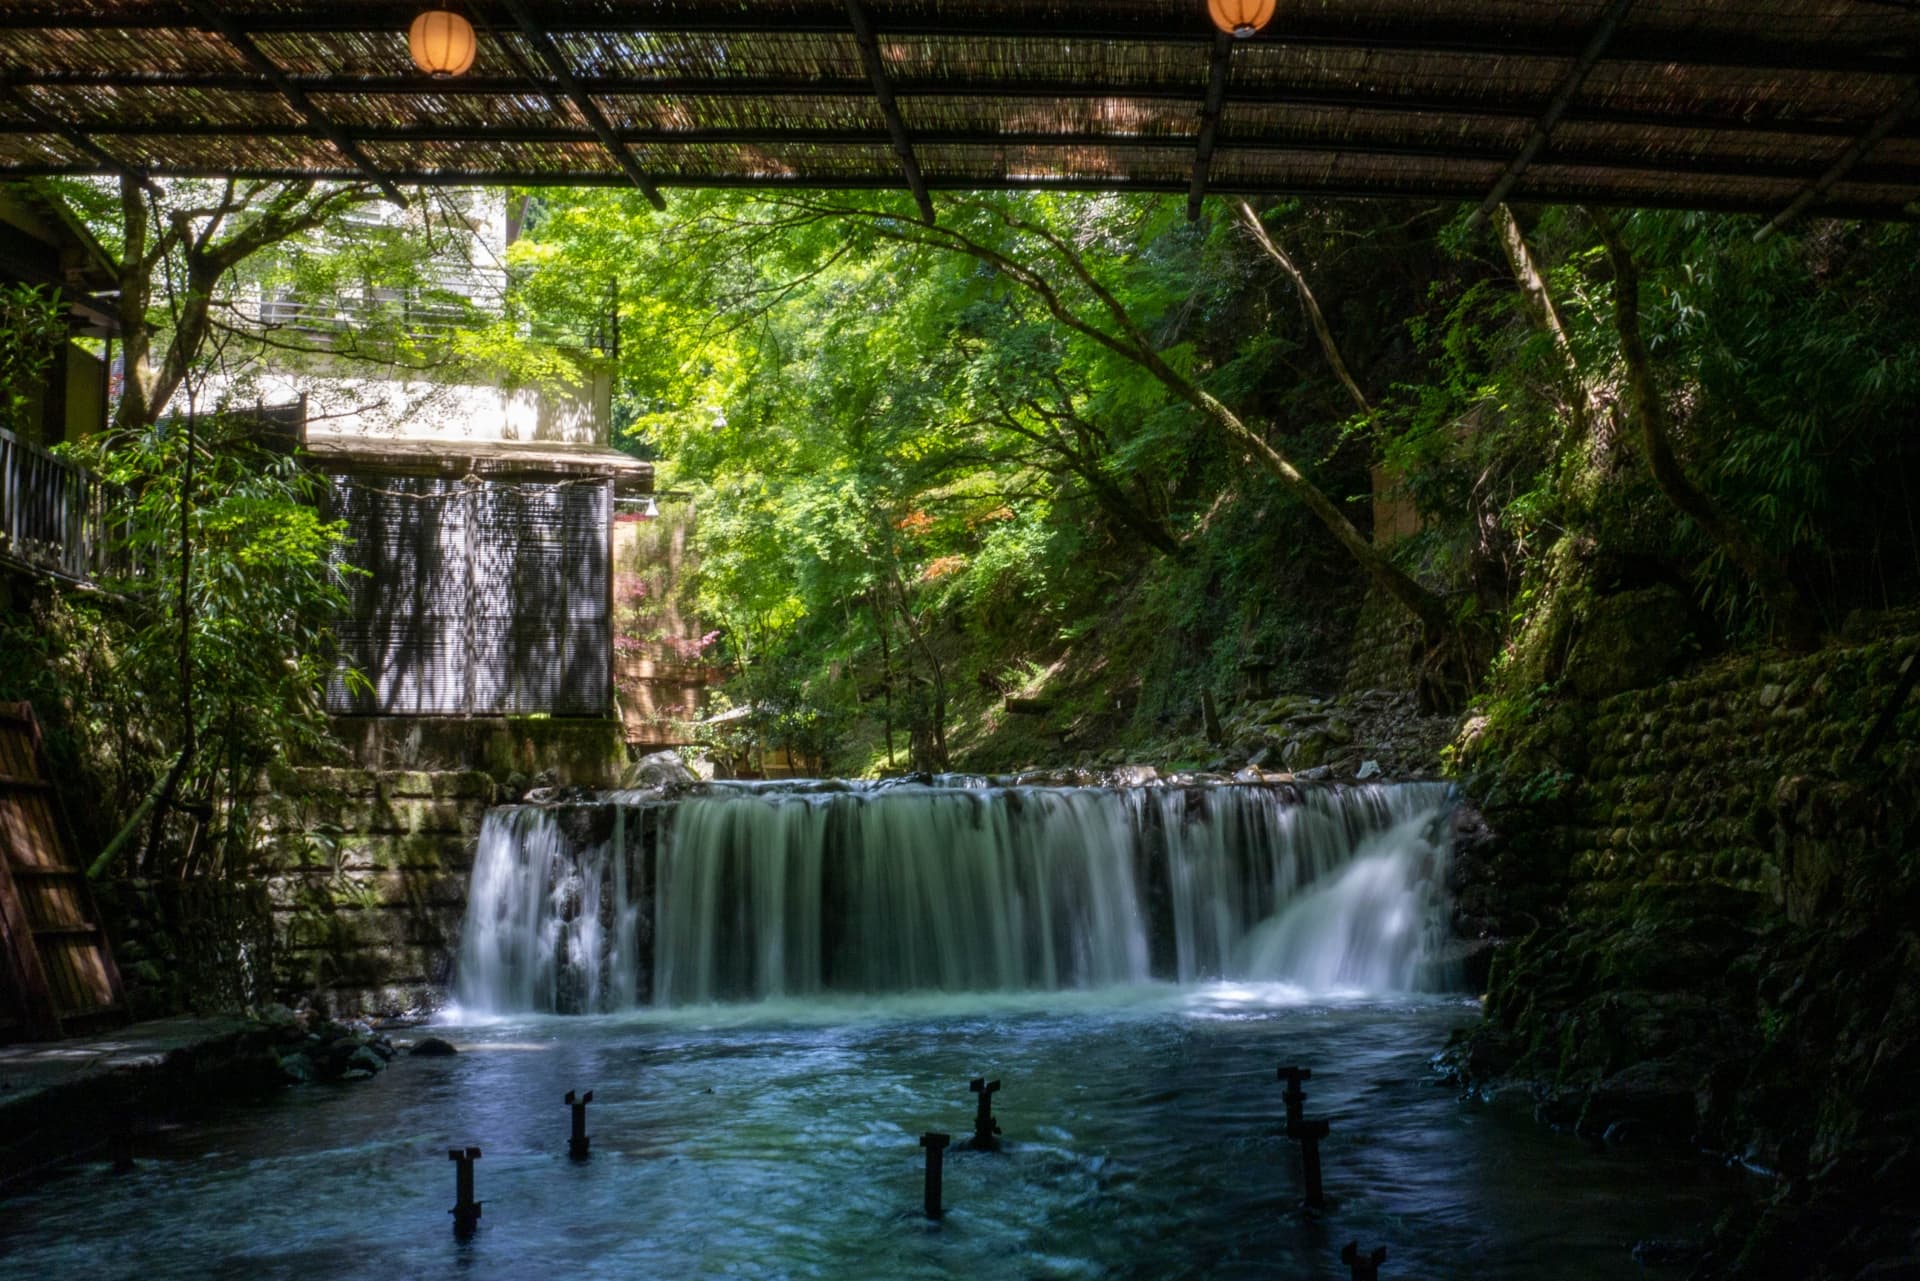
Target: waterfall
[{"x": 755, "y": 892}]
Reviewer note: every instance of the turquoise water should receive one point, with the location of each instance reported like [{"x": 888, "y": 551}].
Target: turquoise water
[{"x": 781, "y": 1140}]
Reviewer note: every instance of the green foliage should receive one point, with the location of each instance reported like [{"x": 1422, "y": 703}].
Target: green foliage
[
  {"x": 263, "y": 586},
  {"x": 32, "y": 325},
  {"x": 908, "y": 471},
  {"x": 926, "y": 478}
]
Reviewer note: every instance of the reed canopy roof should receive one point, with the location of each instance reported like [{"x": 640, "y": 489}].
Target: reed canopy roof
[{"x": 1774, "y": 106}]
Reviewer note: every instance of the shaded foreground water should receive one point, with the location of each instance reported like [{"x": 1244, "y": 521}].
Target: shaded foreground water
[{"x": 780, "y": 1140}]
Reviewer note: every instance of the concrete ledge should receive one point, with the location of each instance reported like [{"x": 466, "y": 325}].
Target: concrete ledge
[
  {"x": 59, "y": 1100},
  {"x": 579, "y": 751}
]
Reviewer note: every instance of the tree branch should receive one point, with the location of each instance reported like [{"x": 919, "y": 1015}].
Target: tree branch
[{"x": 1766, "y": 571}]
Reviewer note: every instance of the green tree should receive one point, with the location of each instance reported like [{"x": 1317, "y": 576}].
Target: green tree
[{"x": 32, "y": 324}]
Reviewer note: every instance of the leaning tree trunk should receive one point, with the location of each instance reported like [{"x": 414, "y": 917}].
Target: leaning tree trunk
[
  {"x": 1131, "y": 344},
  {"x": 1584, "y": 406},
  {"x": 1427, "y": 606},
  {"x": 1767, "y": 571}
]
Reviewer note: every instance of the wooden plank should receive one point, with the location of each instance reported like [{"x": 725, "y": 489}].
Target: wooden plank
[
  {"x": 27, "y": 979},
  {"x": 54, "y": 904},
  {"x": 59, "y": 961},
  {"x": 28, "y": 832}
]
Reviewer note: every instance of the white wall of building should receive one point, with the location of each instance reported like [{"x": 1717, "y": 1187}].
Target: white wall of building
[{"x": 362, "y": 398}]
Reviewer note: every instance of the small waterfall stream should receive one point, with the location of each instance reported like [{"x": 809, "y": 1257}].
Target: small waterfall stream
[{"x": 751, "y": 892}]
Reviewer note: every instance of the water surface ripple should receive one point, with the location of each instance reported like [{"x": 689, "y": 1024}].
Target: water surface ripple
[{"x": 773, "y": 1140}]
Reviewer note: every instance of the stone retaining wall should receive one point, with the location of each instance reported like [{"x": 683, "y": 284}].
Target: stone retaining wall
[
  {"x": 1381, "y": 653},
  {"x": 203, "y": 946},
  {"x": 1710, "y": 894},
  {"x": 1705, "y": 778},
  {"x": 368, "y": 880}
]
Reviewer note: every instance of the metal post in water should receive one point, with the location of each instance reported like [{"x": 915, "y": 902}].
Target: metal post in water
[
  {"x": 466, "y": 1210},
  {"x": 935, "y": 1144},
  {"x": 1310, "y": 1133},
  {"x": 1365, "y": 1267},
  {"x": 984, "y": 1126},
  {"x": 1295, "y": 1098},
  {"x": 577, "y": 1145}
]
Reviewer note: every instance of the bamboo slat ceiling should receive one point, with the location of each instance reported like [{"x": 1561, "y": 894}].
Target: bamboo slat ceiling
[{"x": 1772, "y": 106}]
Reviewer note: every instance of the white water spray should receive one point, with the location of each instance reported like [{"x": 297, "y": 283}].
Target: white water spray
[
  {"x": 1369, "y": 926},
  {"x": 806, "y": 890}
]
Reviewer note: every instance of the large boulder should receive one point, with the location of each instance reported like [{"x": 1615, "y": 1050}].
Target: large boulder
[{"x": 661, "y": 769}]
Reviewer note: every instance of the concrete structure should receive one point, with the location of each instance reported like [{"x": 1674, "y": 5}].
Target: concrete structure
[{"x": 480, "y": 509}]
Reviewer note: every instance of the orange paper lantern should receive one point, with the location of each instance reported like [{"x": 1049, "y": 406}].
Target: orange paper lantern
[
  {"x": 442, "y": 43},
  {"x": 1241, "y": 18}
]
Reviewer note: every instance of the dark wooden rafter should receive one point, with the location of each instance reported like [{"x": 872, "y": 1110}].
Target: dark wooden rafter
[
  {"x": 583, "y": 102},
  {"x": 1603, "y": 32},
  {"x": 742, "y": 86},
  {"x": 1847, "y": 163},
  {"x": 1525, "y": 108},
  {"x": 1218, "y": 67},
  {"x": 883, "y": 94},
  {"x": 1742, "y": 105},
  {"x": 1271, "y": 142},
  {"x": 74, "y": 136},
  {"x": 210, "y": 13}
]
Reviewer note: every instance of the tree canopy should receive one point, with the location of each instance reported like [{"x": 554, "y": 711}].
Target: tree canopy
[{"x": 941, "y": 464}]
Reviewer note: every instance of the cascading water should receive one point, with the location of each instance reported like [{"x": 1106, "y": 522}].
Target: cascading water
[
  {"x": 552, "y": 923},
  {"x": 752, "y": 892}
]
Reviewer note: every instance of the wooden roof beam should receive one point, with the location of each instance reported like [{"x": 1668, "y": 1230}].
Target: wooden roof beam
[
  {"x": 1426, "y": 192},
  {"x": 756, "y": 86},
  {"x": 589, "y": 110},
  {"x": 216, "y": 20},
  {"x": 1848, "y": 161},
  {"x": 1556, "y": 108},
  {"x": 1694, "y": 165},
  {"x": 883, "y": 94},
  {"x": 75, "y": 136},
  {"x": 1217, "y": 68}
]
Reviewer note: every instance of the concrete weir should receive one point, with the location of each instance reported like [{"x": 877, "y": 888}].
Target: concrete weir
[{"x": 368, "y": 865}]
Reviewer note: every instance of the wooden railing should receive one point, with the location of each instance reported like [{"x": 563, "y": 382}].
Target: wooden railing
[{"x": 54, "y": 514}]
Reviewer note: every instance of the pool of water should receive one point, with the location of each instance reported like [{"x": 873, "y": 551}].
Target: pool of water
[{"x": 1141, "y": 1129}]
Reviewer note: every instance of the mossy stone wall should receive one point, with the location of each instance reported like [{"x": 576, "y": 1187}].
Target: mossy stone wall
[
  {"x": 1381, "y": 653},
  {"x": 368, "y": 866},
  {"x": 1710, "y": 894},
  {"x": 1705, "y": 778},
  {"x": 202, "y": 946},
  {"x": 368, "y": 882}
]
